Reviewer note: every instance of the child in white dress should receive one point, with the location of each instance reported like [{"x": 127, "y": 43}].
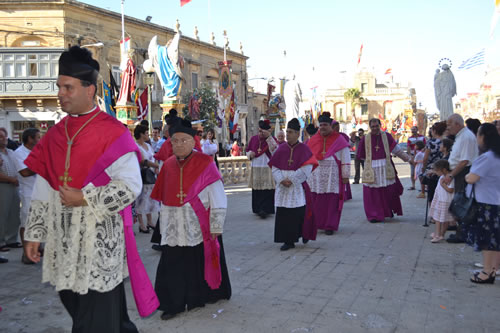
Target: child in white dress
[{"x": 441, "y": 202}]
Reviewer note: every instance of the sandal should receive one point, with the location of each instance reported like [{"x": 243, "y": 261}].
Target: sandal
[
  {"x": 489, "y": 280},
  {"x": 437, "y": 239},
  {"x": 411, "y": 188},
  {"x": 4, "y": 249}
]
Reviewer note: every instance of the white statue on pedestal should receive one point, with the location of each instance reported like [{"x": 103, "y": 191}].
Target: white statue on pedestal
[
  {"x": 445, "y": 88},
  {"x": 293, "y": 97}
]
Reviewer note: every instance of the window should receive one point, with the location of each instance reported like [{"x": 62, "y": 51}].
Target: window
[
  {"x": 194, "y": 80},
  {"x": 363, "y": 87},
  {"x": 115, "y": 71},
  {"x": 364, "y": 109},
  {"x": 22, "y": 66}
]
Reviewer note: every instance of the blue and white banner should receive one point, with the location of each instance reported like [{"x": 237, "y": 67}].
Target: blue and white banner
[{"x": 475, "y": 60}]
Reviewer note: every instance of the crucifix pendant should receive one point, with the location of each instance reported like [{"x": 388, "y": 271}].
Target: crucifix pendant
[
  {"x": 65, "y": 178},
  {"x": 290, "y": 161},
  {"x": 181, "y": 195},
  {"x": 377, "y": 148}
]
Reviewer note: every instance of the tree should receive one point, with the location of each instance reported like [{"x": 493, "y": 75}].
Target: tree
[
  {"x": 208, "y": 106},
  {"x": 353, "y": 95}
]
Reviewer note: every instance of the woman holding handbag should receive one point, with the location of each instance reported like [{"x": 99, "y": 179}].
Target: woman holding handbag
[
  {"x": 484, "y": 233},
  {"x": 144, "y": 204}
]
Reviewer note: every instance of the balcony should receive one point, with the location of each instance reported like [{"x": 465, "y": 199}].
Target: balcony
[{"x": 29, "y": 71}]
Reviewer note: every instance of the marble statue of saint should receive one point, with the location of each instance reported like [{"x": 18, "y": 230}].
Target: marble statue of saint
[
  {"x": 293, "y": 96},
  {"x": 167, "y": 64},
  {"x": 445, "y": 88}
]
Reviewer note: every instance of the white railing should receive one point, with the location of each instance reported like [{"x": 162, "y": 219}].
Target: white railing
[{"x": 234, "y": 169}]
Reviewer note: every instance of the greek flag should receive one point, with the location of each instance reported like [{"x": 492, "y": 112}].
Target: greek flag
[{"x": 475, "y": 60}]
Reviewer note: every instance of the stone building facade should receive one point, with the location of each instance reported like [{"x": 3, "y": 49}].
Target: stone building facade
[
  {"x": 33, "y": 34},
  {"x": 385, "y": 101}
]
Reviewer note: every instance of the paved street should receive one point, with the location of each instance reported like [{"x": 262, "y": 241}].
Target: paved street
[{"x": 378, "y": 278}]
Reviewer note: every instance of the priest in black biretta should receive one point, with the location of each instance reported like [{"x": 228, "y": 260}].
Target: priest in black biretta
[
  {"x": 77, "y": 62},
  {"x": 291, "y": 165},
  {"x": 325, "y": 117}
]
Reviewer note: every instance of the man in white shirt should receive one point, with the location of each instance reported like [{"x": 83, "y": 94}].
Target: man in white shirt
[
  {"x": 463, "y": 152},
  {"x": 26, "y": 178}
]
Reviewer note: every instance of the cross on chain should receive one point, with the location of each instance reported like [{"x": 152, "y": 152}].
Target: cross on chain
[
  {"x": 65, "y": 178},
  {"x": 377, "y": 148},
  {"x": 181, "y": 195}
]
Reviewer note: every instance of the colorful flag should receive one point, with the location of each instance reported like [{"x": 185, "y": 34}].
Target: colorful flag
[
  {"x": 494, "y": 19},
  {"x": 360, "y": 53},
  {"x": 183, "y": 2},
  {"x": 233, "y": 115},
  {"x": 124, "y": 48},
  {"x": 476, "y": 60},
  {"x": 108, "y": 101},
  {"x": 388, "y": 71},
  {"x": 142, "y": 104}
]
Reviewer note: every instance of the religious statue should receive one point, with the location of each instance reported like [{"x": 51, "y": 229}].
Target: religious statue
[
  {"x": 293, "y": 96},
  {"x": 167, "y": 63},
  {"x": 445, "y": 88}
]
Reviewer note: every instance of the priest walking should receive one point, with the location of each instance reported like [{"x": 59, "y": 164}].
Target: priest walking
[
  {"x": 192, "y": 270},
  {"x": 259, "y": 151},
  {"x": 328, "y": 179},
  {"x": 381, "y": 185},
  {"x": 292, "y": 164},
  {"x": 81, "y": 205}
]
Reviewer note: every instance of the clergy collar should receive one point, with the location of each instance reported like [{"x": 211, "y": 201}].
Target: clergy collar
[
  {"x": 84, "y": 114},
  {"x": 185, "y": 158},
  {"x": 291, "y": 146}
]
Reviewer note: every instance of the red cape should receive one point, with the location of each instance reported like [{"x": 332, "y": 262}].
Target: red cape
[
  {"x": 166, "y": 149},
  {"x": 316, "y": 143},
  {"x": 167, "y": 185},
  {"x": 48, "y": 157}
]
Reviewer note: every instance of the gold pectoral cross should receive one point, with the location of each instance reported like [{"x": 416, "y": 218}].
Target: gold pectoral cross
[
  {"x": 181, "y": 195},
  {"x": 65, "y": 178},
  {"x": 290, "y": 160},
  {"x": 377, "y": 148}
]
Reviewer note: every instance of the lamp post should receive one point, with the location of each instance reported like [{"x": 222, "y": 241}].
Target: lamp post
[{"x": 149, "y": 81}]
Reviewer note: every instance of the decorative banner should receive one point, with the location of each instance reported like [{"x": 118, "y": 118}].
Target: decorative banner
[
  {"x": 225, "y": 81},
  {"x": 183, "y": 2}
]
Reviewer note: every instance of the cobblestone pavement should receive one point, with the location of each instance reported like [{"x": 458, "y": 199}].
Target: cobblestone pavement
[{"x": 385, "y": 277}]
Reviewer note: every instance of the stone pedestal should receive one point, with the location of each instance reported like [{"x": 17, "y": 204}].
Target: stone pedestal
[
  {"x": 127, "y": 114},
  {"x": 169, "y": 105}
]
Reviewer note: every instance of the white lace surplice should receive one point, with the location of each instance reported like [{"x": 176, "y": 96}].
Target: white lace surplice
[
  {"x": 261, "y": 177},
  {"x": 179, "y": 226},
  {"x": 293, "y": 196},
  {"x": 325, "y": 178},
  {"x": 85, "y": 246}
]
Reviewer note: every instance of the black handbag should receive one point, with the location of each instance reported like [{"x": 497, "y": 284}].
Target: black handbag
[
  {"x": 148, "y": 176},
  {"x": 464, "y": 208}
]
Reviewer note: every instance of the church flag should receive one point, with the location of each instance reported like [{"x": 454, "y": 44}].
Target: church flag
[
  {"x": 128, "y": 83},
  {"x": 233, "y": 115},
  {"x": 388, "y": 71},
  {"x": 108, "y": 102},
  {"x": 183, "y": 2},
  {"x": 494, "y": 19},
  {"x": 360, "y": 53},
  {"x": 476, "y": 60},
  {"x": 142, "y": 105}
]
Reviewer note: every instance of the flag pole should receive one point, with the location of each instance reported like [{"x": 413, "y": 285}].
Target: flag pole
[{"x": 123, "y": 25}]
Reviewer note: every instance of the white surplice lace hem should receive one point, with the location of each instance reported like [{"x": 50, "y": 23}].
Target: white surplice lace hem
[
  {"x": 85, "y": 247},
  {"x": 325, "y": 178},
  {"x": 179, "y": 226},
  {"x": 380, "y": 175}
]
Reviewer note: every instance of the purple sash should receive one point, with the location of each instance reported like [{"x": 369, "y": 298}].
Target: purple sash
[{"x": 145, "y": 298}]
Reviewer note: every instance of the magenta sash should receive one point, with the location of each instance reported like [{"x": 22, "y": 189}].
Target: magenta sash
[
  {"x": 145, "y": 297},
  {"x": 211, "y": 247},
  {"x": 309, "y": 228}
]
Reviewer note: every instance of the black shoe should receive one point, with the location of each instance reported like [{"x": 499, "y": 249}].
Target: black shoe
[
  {"x": 151, "y": 227},
  {"x": 305, "y": 240},
  {"x": 262, "y": 214},
  {"x": 156, "y": 247},
  {"x": 286, "y": 247},
  {"x": 455, "y": 240},
  {"x": 144, "y": 231},
  {"x": 167, "y": 316},
  {"x": 452, "y": 228},
  {"x": 329, "y": 232},
  {"x": 14, "y": 245},
  {"x": 375, "y": 221},
  {"x": 3, "y": 260},
  {"x": 489, "y": 280}
]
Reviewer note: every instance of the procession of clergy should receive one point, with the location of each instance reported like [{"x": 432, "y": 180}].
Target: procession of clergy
[{"x": 86, "y": 182}]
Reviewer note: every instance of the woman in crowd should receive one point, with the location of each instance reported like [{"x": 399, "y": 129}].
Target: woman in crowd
[
  {"x": 209, "y": 145},
  {"x": 484, "y": 233},
  {"x": 144, "y": 204},
  {"x": 433, "y": 154}
]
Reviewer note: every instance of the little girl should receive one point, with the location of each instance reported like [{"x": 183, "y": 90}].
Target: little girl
[
  {"x": 419, "y": 163},
  {"x": 441, "y": 202}
]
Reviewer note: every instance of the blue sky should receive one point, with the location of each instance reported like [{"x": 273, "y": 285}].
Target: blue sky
[{"x": 408, "y": 36}]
